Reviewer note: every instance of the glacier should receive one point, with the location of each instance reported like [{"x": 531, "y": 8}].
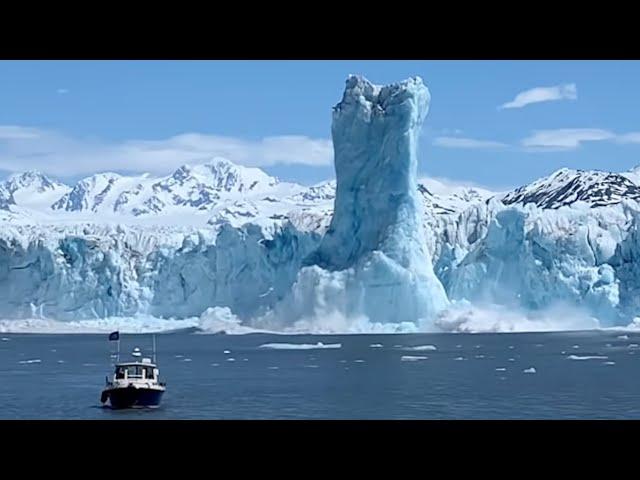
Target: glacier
[
  {"x": 117, "y": 271},
  {"x": 218, "y": 246}
]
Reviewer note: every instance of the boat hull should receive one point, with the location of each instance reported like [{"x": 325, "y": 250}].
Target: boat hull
[{"x": 131, "y": 397}]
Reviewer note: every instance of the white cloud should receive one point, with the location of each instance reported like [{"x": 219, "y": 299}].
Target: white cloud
[
  {"x": 23, "y": 148},
  {"x": 62, "y": 91},
  {"x": 13, "y": 132},
  {"x": 543, "y": 94},
  {"x": 448, "y": 186},
  {"x": 565, "y": 138},
  {"x": 461, "y": 142}
]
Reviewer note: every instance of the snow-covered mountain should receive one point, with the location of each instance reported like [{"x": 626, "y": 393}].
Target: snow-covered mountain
[
  {"x": 198, "y": 188},
  {"x": 33, "y": 190},
  {"x": 566, "y": 187},
  {"x": 213, "y": 193}
]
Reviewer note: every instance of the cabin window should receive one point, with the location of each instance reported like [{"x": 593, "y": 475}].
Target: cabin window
[
  {"x": 120, "y": 373},
  {"x": 148, "y": 372},
  {"x": 134, "y": 371}
]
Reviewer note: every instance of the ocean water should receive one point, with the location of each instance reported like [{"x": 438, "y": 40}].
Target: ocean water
[{"x": 583, "y": 375}]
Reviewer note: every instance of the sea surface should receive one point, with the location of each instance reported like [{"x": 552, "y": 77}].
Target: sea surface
[{"x": 577, "y": 375}]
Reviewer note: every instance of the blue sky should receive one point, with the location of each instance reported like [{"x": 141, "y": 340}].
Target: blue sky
[{"x": 73, "y": 118}]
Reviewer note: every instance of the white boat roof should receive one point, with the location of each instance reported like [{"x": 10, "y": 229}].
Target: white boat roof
[{"x": 131, "y": 364}]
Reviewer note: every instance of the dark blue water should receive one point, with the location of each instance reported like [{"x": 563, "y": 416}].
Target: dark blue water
[{"x": 355, "y": 381}]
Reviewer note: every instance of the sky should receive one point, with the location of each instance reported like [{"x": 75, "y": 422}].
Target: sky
[{"x": 497, "y": 124}]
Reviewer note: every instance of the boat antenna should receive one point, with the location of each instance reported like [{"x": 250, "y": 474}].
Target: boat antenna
[{"x": 154, "y": 348}]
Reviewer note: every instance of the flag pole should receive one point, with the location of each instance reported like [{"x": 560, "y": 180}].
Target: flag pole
[
  {"x": 154, "y": 348},
  {"x": 118, "y": 357}
]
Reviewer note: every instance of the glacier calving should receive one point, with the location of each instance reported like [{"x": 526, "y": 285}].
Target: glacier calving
[
  {"x": 373, "y": 261},
  {"x": 223, "y": 247}
]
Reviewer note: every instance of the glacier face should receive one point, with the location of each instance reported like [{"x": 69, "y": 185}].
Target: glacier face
[
  {"x": 532, "y": 261},
  {"x": 96, "y": 272},
  {"x": 222, "y": 246}
]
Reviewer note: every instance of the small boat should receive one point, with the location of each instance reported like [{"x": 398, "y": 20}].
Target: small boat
[{"x": 134, "y": 384}]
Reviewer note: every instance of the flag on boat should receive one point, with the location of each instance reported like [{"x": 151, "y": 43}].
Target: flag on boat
[{"x": 114, "y": 336}]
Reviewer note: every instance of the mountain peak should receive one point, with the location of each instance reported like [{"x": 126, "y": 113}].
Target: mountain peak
[
  {"x": 31, "y": 179},
  {"x": 567, "y": 186}
]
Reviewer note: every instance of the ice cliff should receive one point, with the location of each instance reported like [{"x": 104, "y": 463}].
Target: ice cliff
[{"x": 114, "y": 271}]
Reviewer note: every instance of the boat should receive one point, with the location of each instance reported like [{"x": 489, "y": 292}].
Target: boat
[{"x": 134, "y": 384}]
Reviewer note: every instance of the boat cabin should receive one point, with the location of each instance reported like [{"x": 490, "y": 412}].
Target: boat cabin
[{"x": 136, "y": 371}]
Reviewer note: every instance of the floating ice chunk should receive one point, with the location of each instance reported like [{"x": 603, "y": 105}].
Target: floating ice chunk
[
  {"x": 623, "y": 337},
  {"x": 609, "y": 363},
  {"x": 501, "y": 369},
  {"x": 512, "y": 359},
  {"x": 230, "y": 359},
  {"x": 420, "y": 348},
  {"x": 178, "y": 356},
  {"x": 186, "y": 359},
  {"x": 576, "y": 346},
  {"x": 479, "y": 356},
  {"x": 216, "y": 320},
  {"x": 60, "y": 361},
  {"x": 215, "y": 364},
  {"x": 376, "y": 345},
  {"x": 458, "y": 346},
  {"x": 227, "y": 352},
  {"x": 273, "y": 368},
  {"x": 35, "y": 360},
  {"x": 358, "y": 361},
  {"x": 587, "y": 357},
  {"x": 412, "y": 358},
  {"x": 632, "y": 345},
  {"x": 300, "y": 346},
  {"x": 5, "y": 339},
  {"x": 529, "y": 370},
  {"x": 511, "y": 347},
  {"x": 245, "y": 359},
  {"x": 343, "y": 361},
  {"x": 459, "y": 358},
  {"x": 310, "y": 366}
]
